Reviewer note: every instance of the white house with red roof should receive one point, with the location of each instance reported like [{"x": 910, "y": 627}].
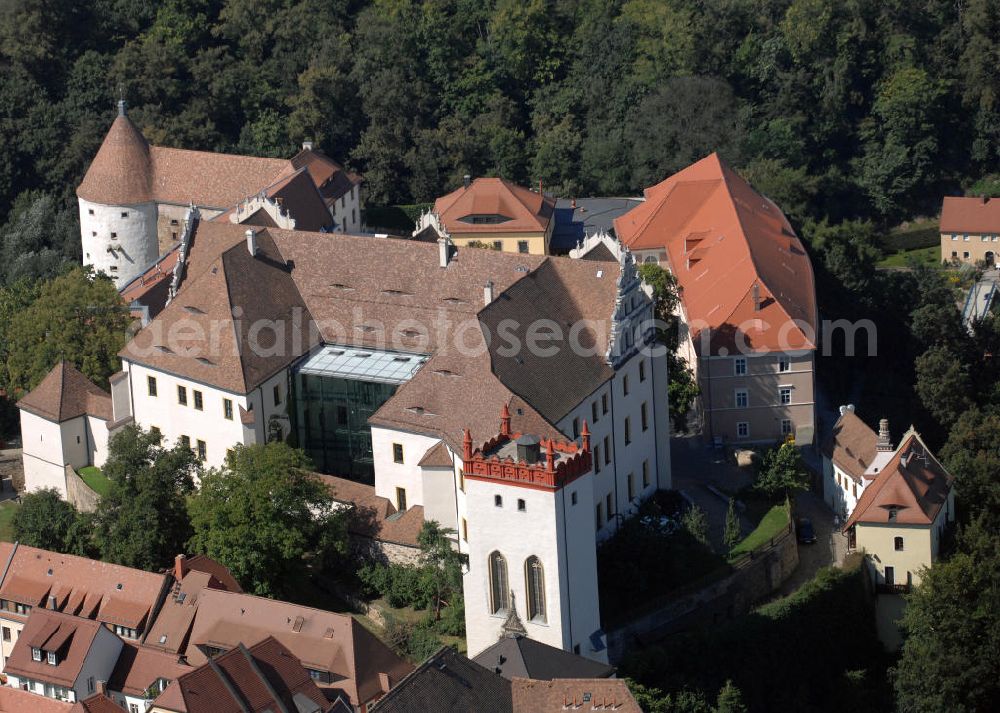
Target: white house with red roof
[
  {"x": 970, "y": 229},
  {"x": 748, "y": 299}
]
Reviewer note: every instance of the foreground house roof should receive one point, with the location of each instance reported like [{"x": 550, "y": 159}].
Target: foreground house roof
[
  {"x": 446, "y": 682},
  {"x": 734, "y": 254},
  {"x": 332, "y": 179},
  {"x": 64, "y": 394},
  {"x": 911, "y": 488},
  {"x": 970, "y": 214},
  {"x": 605, "y": 694},
  {"x": 263, "y": 677},
  {"x": 374, "y": 516},
  {"x": 84, "y": 587},
  {"x": 519, "y": 209},
  {"x": 515, "y": 656},
  {"x": 70, "y": 637},
  {"x": 14, "y": 700},
  {"x": 324, "y": 641},
  {"x": 99, "y": 703},
  {"x": 139, "y": 667}
]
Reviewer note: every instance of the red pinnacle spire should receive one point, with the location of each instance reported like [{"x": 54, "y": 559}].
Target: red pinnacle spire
[
  {"x": 585, "y": 433},
  {"x": 467, "y": 444},
  {"x": 550, "y": 457},
  {"x": 505, "y": 421}
]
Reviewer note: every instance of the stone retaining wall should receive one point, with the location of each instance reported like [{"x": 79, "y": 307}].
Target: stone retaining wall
[
  {"x": 79, "y": 493},
  {"x": 755, "y": 578}
]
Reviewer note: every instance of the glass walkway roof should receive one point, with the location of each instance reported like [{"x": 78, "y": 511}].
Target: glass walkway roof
[{"x": 358, "y": 364}]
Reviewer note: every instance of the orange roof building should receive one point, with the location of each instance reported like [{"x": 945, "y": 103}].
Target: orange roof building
[
  {"x": 901, "y": 516},
  {"x": 748, "y": 299},
  {"x": 494, "y": 213},
  {"x": 970, "y": 229}
]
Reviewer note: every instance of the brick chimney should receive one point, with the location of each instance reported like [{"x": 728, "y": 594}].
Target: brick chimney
[{"x": 180, "y": 567}]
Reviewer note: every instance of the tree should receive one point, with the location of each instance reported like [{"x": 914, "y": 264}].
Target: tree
[
  {"x": 951, "y": 653},
  {"x": 733, "y": 532},
  {"x": 48, "y": 522},
  {"x": 695, "y": 522},
  {"x": 781, "y": 472},
  {"x": 261, "y": 514},
  {"x": 653, "y": 700},
  {"x": 142, "y": 521},
  {"x": 973, "y": 459},
  {"x": 445, "y": 566},
  {"x": 943, "y": 384},
  {"x": 77, "y": 317},
  {"x": 730, "y": 700}
]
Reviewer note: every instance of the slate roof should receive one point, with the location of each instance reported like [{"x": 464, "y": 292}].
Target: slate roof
[
  {"x": 88, "y": 588},
  {"x": 722, "y": 239},
  {"x": 64, "y": 394},
  {"x": 579, "y": 217},
  {"x": 322, "y": 640},
  {"x": 71, "y": 637},
  {"x": 913, "y": 484},
  {"x": 263, "y": 677},
  {"x": 529, "y": 212},
  {"x": 852, "y": 445},
  {"x": 448, "y": 681},
  {"x": 970, "y": 214},
  {"x": 521, "y": 657},
  {"x": 606, "y": 694}
]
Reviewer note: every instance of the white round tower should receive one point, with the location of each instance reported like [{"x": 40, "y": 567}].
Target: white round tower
[{"x": 117, "y": 212}]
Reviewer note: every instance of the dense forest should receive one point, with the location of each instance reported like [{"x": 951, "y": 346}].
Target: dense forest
[{"x": 836, "y": 109}]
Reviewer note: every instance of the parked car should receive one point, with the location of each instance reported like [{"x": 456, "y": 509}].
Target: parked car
[{"x": 804, "y": 531}]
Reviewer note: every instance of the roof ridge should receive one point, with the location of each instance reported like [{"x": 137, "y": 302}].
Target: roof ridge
[
  {"x": 228, "y": 684},
  {"x": 260, "y": 674}
]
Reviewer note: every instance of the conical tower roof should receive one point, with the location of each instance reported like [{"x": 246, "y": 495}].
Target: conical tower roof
[{"x": 120, "y": 174}]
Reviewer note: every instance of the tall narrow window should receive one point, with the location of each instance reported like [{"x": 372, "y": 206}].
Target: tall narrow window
[
  {"x": 593, "y": 412},
  {"x": 645, "y": 474},
  {"x": 631, "y": 486},
  {"x": 499, "y": 589},
  {"x": 628, "y": 430},
  {"x": 642, "y": 370},
  {"x": 534, "y": 578},
  {"x": 397, "y": 452},
  {"x": 597, "y": 458},
  {"x": 644, "y": 415},
  {"x": 740, "y": 366},
  {"x": 401, "y": 499},
  {"x": 277, "y": 394},
  {"x": 607, "y": 450},
  {"x": 625, "y": 385},
  {"x": 151, "y": 385},
  {"x": 182, "y": 396},
  {"x": 199, "y": 401},
  {"x": 202, "y": 450},
  {"x": 227, "y": 409}
]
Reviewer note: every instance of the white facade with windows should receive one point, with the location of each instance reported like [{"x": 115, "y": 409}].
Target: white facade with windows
[{"x": 118, "y": 240}]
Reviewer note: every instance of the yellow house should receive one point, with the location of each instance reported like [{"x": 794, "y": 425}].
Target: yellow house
[
  {"x": 898, "y": 522},
  {"x": 970, "y": 229},
  {"x": 493, "y": 213}
]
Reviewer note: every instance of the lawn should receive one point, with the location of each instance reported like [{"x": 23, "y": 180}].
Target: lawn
[
  {"x": 771, "y": 525},
  {"x": 930, "y": 256},
  {"x": 95, "y": 480},
  {"x": 7, "y": 510}
]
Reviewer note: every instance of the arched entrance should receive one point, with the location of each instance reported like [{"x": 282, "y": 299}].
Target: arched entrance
[{"x": 990, "y": 258}]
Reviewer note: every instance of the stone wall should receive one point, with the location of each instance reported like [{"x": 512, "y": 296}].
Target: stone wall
[
  {"x": 754, "y": 579},
  {"x": 382, "y": 551},
  {"x": 79, "y": 493}
]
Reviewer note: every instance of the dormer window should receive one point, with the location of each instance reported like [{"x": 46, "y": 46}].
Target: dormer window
[
  {"x": 892, "y": 514},
  {"x": 485, "y": 219},
  {"x": 36, "y": 654},
  {"x": 52, "y": 658}
]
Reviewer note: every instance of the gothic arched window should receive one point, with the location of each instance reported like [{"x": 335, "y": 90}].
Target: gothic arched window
[
  {"x": 534, "y": 579},
  {"x": 499, "y": 586}
]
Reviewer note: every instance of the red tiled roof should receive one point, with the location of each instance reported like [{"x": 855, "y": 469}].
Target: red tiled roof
[
  {"x": 332, "y": 179},
  {"x": 323, "y": 641},
  {"x": 85, "y": 587},
  {"x": 151, "y": 287},
  {"x": 724, "y": 240},
  {"x": 69, "y": 636},
  {"x": 437, "y": 456},
  {"x": 913, "y": 484},
  {"x": 14, "y": 700},
  {"x": 852, "y": 445},
  {"x": 139, "y": 667},
  {"x": 121, "y": 172},
  {"x": 99, "y": 703},
  {"x": 65, "y": 393},
  {"x": 375, "y": 516},
  {"x": 970, "y": 215},
  {"x": 528, "y": 212},
  {"x": 591, "y": 694},
  {"x": 222, "y": 577},
  {"x": 264, "y": 677}
]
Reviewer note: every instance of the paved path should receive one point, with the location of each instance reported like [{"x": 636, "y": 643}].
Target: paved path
[{"x": 695, "y": 467}]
